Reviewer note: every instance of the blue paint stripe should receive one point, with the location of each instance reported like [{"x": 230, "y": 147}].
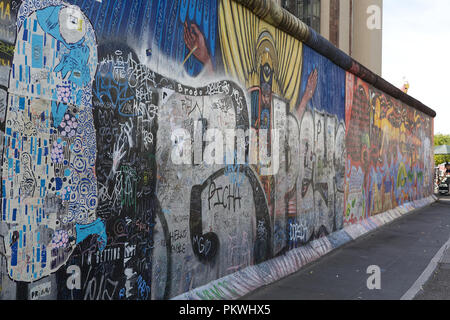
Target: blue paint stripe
[
  {"x": 99, "y": 11},
  {"x": 120, "y": 20},
  {"x": 4, "y": 200},
  {"x": 184, "y": 10},
  {"x": 139, "y": 20},
  {"x": 102, "y": 27},
  {"x": 147, "y": 13},
  {"x": 111, "y": 17},
  {"x": 199, "y": 12},
  {"x": 192, "y": 10}
]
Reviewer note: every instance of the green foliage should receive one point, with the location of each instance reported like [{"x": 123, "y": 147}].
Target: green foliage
[
  {"x": 440, "y": 159},
  {"x": 441, "y": 140}
]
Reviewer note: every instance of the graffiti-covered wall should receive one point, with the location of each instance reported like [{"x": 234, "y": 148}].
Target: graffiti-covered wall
[
  {"x": 150, "y": 147},
  {"x": 389, "y": 147}
]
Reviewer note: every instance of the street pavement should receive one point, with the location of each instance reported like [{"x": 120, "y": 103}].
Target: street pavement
[
  {"x": 438, "y": 285},
  {"x": 403, "y": 250}
]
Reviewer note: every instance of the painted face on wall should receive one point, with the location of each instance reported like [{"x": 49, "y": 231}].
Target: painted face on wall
[
  {"x": 72, "y": 24},
  {"x": 361, "y": 98},
  {"x": 49, "y": 183},
  {"x": 266, "y": 79},
  {"x": 266, "y": 95}
]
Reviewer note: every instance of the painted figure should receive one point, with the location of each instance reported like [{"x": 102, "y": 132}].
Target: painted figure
[{"x": 49, "y": 186}]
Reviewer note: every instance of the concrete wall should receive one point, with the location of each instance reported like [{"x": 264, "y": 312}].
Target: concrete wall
[{"x": 105, "y": 99}]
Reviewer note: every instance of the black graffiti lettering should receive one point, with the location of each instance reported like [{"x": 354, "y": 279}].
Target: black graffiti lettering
[{"x": 227, "y": 197}]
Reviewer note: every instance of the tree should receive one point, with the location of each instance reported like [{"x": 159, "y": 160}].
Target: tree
[
  {"x": 440, "y": 159},
  {"x": 441, "y": 140}
]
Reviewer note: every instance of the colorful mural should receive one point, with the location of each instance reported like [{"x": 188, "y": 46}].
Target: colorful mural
[
  {"x": 49, "y": 185},
  {"x": 151, "y": 148},
  {"x": 389, "y": 152}
]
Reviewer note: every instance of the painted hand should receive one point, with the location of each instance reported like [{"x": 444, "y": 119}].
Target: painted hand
[
  {"x": 118, "y": 155},
  {"x": 195, "y": 41},
  {"x": 311, "y": 85}
]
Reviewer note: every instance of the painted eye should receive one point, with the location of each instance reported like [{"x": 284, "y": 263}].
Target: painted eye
[{"x": 72, "y": 24}]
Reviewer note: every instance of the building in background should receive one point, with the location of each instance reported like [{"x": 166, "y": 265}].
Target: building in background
[{"x": 354, "y": 26}]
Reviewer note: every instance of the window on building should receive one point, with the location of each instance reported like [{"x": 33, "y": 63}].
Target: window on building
[{"x": 306, "y": 10}]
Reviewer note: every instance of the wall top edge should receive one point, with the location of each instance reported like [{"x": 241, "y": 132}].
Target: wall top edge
[{"x": 271, "y": 12}]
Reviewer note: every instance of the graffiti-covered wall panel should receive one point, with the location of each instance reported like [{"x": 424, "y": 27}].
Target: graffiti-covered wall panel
[
  {"x": 389, "y": 152},
  {"x": 150, "y": 148}
]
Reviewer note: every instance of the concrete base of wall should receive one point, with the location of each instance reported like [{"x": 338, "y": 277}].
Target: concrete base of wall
[{"x": 243, "y": 282}]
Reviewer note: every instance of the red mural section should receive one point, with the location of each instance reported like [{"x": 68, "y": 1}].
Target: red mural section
[{"x": 389, "y": 158}]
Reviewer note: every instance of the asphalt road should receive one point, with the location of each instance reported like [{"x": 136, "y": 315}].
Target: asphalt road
[
  {"x": 438, "y": 287},
  {"x": 402, "y": 250}
]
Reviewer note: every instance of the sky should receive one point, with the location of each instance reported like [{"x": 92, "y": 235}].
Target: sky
[{"x": 416, "y": 46}]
